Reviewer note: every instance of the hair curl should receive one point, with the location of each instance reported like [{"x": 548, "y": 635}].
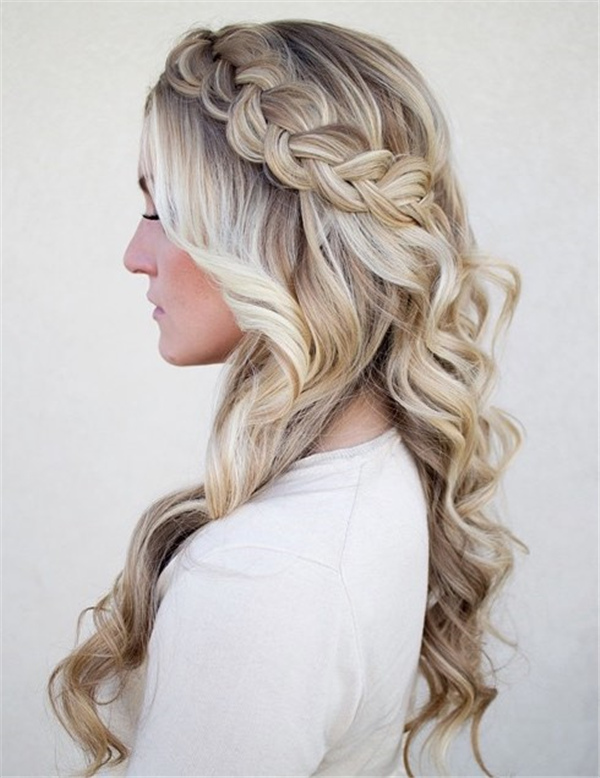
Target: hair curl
[{"x": 307, "y": 168}]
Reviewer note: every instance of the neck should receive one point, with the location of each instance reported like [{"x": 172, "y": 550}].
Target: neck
[{"x": 364, "y": 419}]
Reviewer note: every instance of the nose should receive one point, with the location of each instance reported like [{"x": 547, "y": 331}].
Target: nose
[{"x": 139, "y": 257}]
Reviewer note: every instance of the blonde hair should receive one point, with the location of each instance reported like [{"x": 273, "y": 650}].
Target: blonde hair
[{"x": 308, "y": 169}]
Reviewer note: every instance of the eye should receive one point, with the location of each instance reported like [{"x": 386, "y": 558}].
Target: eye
[{"x": 151, "y": 216}]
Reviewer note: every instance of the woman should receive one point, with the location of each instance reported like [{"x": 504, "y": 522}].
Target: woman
[{"x": 303, "y": 225}]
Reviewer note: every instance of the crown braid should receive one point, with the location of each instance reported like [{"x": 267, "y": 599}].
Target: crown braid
[{"x": 291, "y": 128}]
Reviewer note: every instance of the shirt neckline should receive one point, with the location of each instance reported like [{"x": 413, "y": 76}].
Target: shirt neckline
[{"x": 349, "y": 452}]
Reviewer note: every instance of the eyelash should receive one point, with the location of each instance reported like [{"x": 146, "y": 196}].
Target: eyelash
[{"x": 152, "y": 217}]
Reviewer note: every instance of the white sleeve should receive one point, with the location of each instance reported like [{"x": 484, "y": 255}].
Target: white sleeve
[{"x": 252, "y": 668}]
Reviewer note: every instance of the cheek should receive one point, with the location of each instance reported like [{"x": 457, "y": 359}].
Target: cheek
[
  {"x": 199, "y": 294},
  {"x": 207, "y": 328}
]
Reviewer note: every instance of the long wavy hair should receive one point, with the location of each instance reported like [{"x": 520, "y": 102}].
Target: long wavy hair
[{"x": 307, "y": 168}]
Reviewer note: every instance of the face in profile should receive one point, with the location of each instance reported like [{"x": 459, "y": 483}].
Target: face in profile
[{"x": 196, "y": 325}]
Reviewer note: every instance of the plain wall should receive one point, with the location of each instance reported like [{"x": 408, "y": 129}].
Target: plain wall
[{"x": 96, "y": 425}]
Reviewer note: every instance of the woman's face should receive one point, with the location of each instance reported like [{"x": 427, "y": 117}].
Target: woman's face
[{"x": 196, "y": 325}]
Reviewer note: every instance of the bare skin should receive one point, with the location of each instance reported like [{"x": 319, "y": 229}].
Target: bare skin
[
  {"x": 196, "y": 326},
  {"x": 363, "y": 420}
]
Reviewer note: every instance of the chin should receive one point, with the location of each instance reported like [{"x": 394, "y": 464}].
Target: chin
[
  {"x": 188, "y": 360},
  {"x": 179, "y": 360},
  {"x": 182, "y": 357}
]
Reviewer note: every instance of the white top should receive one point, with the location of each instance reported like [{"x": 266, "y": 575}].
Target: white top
[{"x": 288, "y": 634}]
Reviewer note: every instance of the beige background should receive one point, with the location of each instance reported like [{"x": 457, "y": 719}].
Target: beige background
[{"x": 97, "y": 426}]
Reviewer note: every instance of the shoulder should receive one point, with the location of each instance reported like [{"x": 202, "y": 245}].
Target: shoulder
[
  {"x": 302, "y": 515},
  {"x": 339, "y": 508}
]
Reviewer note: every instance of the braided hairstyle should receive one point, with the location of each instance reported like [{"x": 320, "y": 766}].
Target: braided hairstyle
[
  {"x": 299, "y": 122},
  {"x": 307, "y": 168}
]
